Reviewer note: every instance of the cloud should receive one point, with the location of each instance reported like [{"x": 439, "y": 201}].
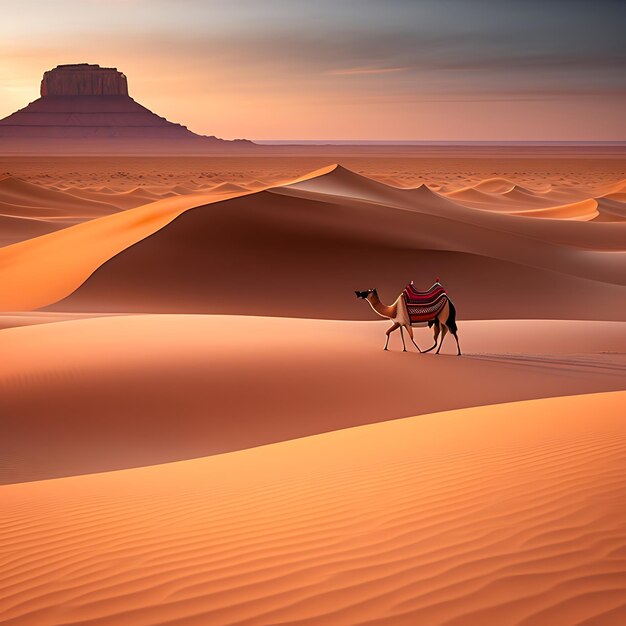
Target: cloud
[
  {"x": 368, "y": 70},
  {"x": 218, "y": 55}
]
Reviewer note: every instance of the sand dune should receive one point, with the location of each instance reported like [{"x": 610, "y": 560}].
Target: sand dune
[
  {"x": 52, "y": 208},
  {"x": 611, "y": 211},
  {"x": 509, "y": 514},
  {"x": 334, "y": 230},
  {"x": 514, "y": 198},
  {"x": 28, "y": 210},
  {"x": 470, "y": 196},
  {"x": 583, "y": 210},
  {"x": 30, "y": 318},
  {"x": 336, "y": 180},
  {"x": 40, "y": 212},
  {"x": 15, "y": 192},
  {"x": 619, "y": 197},
  {"x": 423, "y": 200},
  {"x": 301, "y": 250},
  {"x": 229, "y": 188},
  {"x": 14, "y": 229},
  {"x": 128, "y": 182},
  {"x": 122, "y": 200},
  {"x": 95, "y": 394},
  {"x": 574, "y": 172},
  {"x": 612, "y": 187},
  {"x": 39, "y": 271},
  {"x": 520, "y": 196},
  {"x": 255, "y": 184},
  {"x": 495, "y": 185},
  {"x": 181, "y": 189},
  {"x": 61, "y": 205}
]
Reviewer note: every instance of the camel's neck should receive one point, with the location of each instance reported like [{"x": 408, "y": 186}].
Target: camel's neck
[{"x": 380, "y": 308}]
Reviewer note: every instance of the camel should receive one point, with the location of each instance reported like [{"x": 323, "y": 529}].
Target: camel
[{"x": 443, "y": 319}]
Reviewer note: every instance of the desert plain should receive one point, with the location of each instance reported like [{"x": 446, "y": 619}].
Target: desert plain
[{"x": 200, "y": 425}]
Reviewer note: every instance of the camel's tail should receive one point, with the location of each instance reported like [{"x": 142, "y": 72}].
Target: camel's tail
[{"x": 451, "y": 322}]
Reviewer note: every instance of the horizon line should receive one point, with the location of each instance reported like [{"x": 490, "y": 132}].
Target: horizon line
[{"x": 457, "y": 142}]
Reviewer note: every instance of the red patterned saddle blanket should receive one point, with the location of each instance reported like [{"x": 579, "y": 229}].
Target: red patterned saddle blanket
[{"x": 424, "y": 306}]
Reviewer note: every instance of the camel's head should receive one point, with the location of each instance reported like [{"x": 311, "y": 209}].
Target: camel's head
[{"x": 364, "y": 294}]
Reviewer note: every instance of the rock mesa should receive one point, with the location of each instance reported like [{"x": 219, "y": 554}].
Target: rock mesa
[{"x": 87, "y": 109}]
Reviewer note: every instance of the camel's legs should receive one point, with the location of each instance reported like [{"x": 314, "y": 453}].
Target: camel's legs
[
  {"x": 444, "y": 331},
  {"x": 458, "y": 347},
  {"x": 410, "y": 331},
  {"x": 403, "y": 344},
  {"x": 389, "y": 331},
  {"x": 436, "y": 336}
]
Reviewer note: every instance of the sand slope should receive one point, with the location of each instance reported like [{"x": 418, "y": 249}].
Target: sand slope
[
  {"x": 126, "y": 199},
  {"x": 14, "y": 229},
  {"x": 95, "y": 394},
  {"x": 335, "y": 184},
  {"x": 583, "y": 210},
  {"x": 510, "y": 514},
  {"x": 302, "y": 249},
  {"x": 39, "y": 271},
  {"x": 40, "y": 201},
  {"x": 28, "y": 210},
  {"x": 611, "y": 210}
]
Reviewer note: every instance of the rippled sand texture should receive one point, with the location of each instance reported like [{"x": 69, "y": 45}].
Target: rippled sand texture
[{"x": 507, "y": 514}]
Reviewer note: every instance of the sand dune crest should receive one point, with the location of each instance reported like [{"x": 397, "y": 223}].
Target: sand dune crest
[
  {"x": 337, "y": 180},
  {"x": 40, "y": 271},
  {"x": 583, "y": 210},
  {"x": 495, "y": 185}
]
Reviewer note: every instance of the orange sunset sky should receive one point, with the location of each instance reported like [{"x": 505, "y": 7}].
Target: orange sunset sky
[{"x": 359, "y": 69}]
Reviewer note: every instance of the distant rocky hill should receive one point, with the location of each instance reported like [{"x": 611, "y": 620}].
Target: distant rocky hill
[{"x": 87, "y": 109}]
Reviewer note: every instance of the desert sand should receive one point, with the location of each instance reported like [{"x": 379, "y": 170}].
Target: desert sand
[
  {"x": 507, "y": 514},
  {"x": 139, "y": 390},
  {"x": 200, "y": 426},
  {"x": 124, "y": 182},
  {"x": 336, "y": 230}
]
